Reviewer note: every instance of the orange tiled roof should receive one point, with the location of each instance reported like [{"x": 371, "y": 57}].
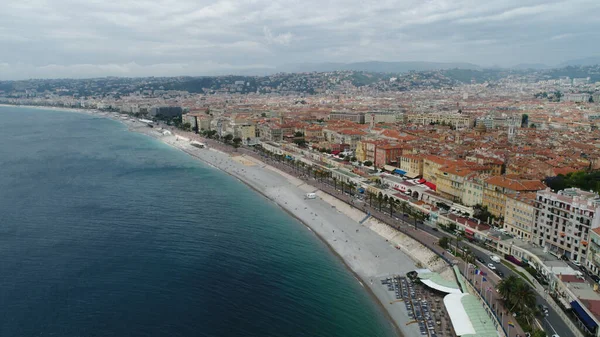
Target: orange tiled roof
[{"x": 515, "y": 184}]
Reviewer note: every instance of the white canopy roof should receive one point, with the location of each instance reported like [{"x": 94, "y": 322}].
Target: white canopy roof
[
  {"x": 439, "y": 287},
  {"x": 458, "y": 315}
]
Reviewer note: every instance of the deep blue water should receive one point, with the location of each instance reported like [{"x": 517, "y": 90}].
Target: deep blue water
[{"x": 104, "y": 232}]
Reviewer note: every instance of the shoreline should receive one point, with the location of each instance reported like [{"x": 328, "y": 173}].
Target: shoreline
[{"x": 367, "y": 267}]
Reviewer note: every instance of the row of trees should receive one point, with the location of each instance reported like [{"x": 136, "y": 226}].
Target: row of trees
[
  {"x": 236, "y": 142},
  {"x": 519, "y": 298},
  {"x": 390, "y": 204},
  {"x": 586, "y": 180}
]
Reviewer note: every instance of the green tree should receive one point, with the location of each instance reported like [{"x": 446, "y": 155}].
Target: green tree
[
  {"x": 393, "y": 202},
  {"x": 517, "y": 296},
  {"x": 347, "y": 158},
  {"x": 300, "y": 142},
  {"x": 418, "y": 216},
  {"x": 353, "y": 159},
  {"x": 538, "y": 333},
  {"x": 263, "y": 115},
  {"x": 228, "y": 138},
  {"x": 368, "y": 163},
  {"x": 298, "y": 134},
  {"x": 237, "y": 142},
  {"x": 524, "y": 120},
  {"x": 380, "y": 200},
  {"x": 444, "y": 242},
  {"x": 371, "y": 196},
  {"x": 186, "y": 126},
  {"x": 386, "y": 199}
]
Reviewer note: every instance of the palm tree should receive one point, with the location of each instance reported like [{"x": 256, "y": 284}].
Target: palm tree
[
  {"x": 386, "y": 199},
  {"x": 393, "y": 203},
  {"x": 335, "y": 183},
  {"x": 418, "y": 216},
  {"x": 458, "y": 239},
  {"x": 352, "y": 186},
  {"x": 506, "y": 289},
  {"x": 371, "y": 195},
  {"x": 405, "y": 207},
  {"x": 380, "y": 199},
  {"x": 342, "y": 184}
]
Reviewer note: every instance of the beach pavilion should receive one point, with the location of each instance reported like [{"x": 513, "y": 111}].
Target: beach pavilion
[{"x": 468, "y": 317}]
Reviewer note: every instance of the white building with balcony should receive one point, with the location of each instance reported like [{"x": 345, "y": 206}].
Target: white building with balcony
[{"x": 563, "y": 221}]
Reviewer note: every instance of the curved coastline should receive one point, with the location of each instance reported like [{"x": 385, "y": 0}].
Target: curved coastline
[{"x": 379, "y": 259}]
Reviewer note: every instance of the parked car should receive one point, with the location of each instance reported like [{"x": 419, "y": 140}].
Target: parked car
[
  {"x": 499, "y": 273},
  {"x": 480, "y": 260},
  {"x": 595, "y": 278},
  {"x": 491, "y": 266},
  {"x": 495, "y": 258}
]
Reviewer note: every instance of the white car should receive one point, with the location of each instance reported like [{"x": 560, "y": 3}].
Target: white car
[{"x": 491, "y": 266}]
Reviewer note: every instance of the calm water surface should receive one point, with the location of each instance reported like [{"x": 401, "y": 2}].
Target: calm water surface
[{"x": 108, "y": 233}]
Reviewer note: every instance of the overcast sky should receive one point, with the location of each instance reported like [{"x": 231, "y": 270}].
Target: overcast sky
[{"x": 90, "y": 38}]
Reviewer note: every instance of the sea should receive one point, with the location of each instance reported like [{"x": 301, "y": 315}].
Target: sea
[{"x": 105, "y": 232}]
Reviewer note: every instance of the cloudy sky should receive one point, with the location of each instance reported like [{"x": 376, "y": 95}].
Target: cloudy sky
[{"x": 89, "y": 38}]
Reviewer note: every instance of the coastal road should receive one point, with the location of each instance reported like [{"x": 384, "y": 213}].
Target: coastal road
[{"x": 557, "y": 326}]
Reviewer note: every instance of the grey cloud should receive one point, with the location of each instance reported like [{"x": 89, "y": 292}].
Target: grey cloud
[{"x": 63, "y": 38}]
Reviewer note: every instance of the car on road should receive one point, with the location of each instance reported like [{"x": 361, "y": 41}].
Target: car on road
[
  {"x": 499, "y": 273},
  {"x": 480, "y": 260},
  {"x": 595, "y": 278},
  {"x": 491, "y": 266},
  {"x": 555, "y": 335},
  {"x": 577, "y": 264}
]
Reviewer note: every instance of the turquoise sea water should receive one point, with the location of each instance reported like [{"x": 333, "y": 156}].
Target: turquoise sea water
[{"x": 104, "y": 232}]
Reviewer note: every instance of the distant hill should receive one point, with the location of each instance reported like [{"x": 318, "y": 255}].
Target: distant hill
[
  {"x": 376, "y": 66},
  {"x": 588, "y": 61},
  {"x": 532, "y": 66}
]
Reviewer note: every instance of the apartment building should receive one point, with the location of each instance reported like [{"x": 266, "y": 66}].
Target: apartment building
[
  {"x": 271, "y": 132},
  {"x": 454, "y": 119},
  {"x": 244, "y": 131},
  {"x": 387, "y": 154},
  {"x": 313, "y": 133},
  {"x": 431, "y": 166},
  {"x": 564, "y": 220},
  {"x": 370, "y": 148},
  {"x": 519, "y": 215},
  {"x": 450, "y": 181},
  {"x": 412, "y": 164},
  {"x": 473, "y": 190},
  {"x": 356, "y": 117},
  {"x": 592, "y": 262},
  {"x": 496, "y": 188}
]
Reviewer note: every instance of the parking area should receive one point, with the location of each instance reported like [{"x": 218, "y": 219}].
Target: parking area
[{"x": 424, "y": 306}]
